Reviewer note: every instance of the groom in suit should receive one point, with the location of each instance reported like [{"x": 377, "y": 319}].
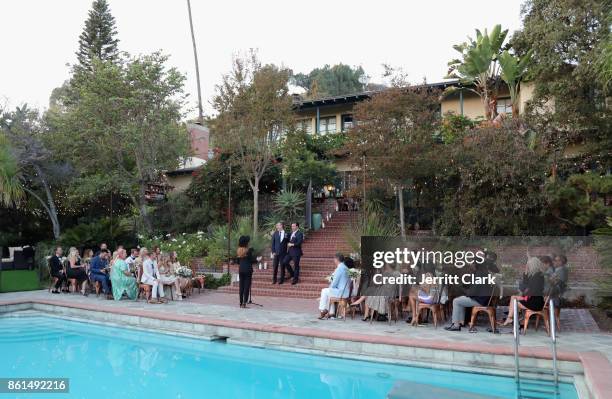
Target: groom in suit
[
  {"x": 294, "y": 253},
  {"x": 280, "y": 239}
]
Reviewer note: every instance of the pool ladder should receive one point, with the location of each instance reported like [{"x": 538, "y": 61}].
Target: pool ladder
[{"x": 536, "y": 389}]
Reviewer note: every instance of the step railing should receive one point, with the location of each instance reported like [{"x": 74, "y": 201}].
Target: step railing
[{"x": 553, "y": 341}]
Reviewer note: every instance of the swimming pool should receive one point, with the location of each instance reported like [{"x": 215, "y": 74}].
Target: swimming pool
[{"x": 109, "y": 362}]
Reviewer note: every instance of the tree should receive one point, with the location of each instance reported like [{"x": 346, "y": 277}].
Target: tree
[
  {"x": 254, "y": 111},
  {"x": 11, "y": 191},
  {"x": 197, "y": 66},
  {"x": 332, "y": 80},
  {"x": 98, "y": 41},
  {"x": 568, "y": 40},
  {"x": 493, "y": 184},
  {"x": 513, "y": 69},
  {"x": 30, "y": 163},
  {"x": 306, "y": 160},
  {"x": 395, "y": 134},
  {"x": 478, "y": 66},
  {"x": 125, "y": 129}
]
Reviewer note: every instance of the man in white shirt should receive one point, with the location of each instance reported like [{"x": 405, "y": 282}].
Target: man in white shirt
[{"x": 150, "y": 276}]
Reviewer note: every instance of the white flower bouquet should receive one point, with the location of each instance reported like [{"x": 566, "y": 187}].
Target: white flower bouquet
[
  {"x": 183, "y": 272},
  {"x": 354, "y": 273}
]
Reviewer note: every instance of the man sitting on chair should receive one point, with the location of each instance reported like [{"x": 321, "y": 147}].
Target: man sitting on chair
[
  {"x": 99, "y": 271},
  {"x": 338, "y": 287}
]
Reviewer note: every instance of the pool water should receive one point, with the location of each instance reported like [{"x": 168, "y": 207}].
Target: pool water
[{"x": 110, "y": 362}]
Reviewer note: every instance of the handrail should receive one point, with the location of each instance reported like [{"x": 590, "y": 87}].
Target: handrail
[
  {"x": 516, "y": 333},
  {"x": 553, "y": 340}
]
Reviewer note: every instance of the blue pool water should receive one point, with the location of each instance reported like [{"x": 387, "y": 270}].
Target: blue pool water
[{"x": 110, "y": 362}]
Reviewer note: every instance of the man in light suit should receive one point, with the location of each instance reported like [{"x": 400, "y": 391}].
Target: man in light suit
[
  {"x": 150, "y": 276},
  {"x": 339, "y": 287},
  {"x": 294, "y": 253},
  {"x": 280, "y": 239}
]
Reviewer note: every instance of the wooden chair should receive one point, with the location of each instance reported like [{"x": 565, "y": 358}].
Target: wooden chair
[
  {"x": 435, "y": 309},
  {"x": 341, "y": 304},
  {"x": 490, "y": 309},
  {"x": 540, "y": 314},
  {"x": 142, "y": 287}
]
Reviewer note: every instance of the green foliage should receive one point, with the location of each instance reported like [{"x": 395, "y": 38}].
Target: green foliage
[
  {"x": 371, "y": 221},
  {"x": 114, "y": 231},
  {"x": 11, "y": 190},
  {"x": 493, "y": 185},
  {"x": 213, "y": 283},
  {"x": 478, "y": 65},
  {"x": 98, "y": 39},
  {"x": 603, "y": 245},
  {"x": 306, "y": 159},
  {"x": 513, "y": 69},
  {"x": 568, "y": 40},
  {"x": 186, "y": 246},
  {"x": 254, "y": 110},
  {"x": 331, "y": 80},
  {"x": 218, "y": 241},
  {"x": 580, "y": 200},
  {"x": 454, "y": 127},
  {"x": 288, "y": 206},
  {"x": 125, "y": 126}
]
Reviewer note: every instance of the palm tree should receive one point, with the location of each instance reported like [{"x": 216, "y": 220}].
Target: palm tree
[
  {"x": 197, "y": 67},
  {"x": 11, "y": 190},
  {"x": 513, "y": 69},
  {"x": 478, "y": 66}
]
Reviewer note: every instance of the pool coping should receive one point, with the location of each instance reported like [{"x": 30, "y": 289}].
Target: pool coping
[{"x": 597, "y": 368}]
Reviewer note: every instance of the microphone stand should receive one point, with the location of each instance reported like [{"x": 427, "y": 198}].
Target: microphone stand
[{"x": 250, "y": 302}]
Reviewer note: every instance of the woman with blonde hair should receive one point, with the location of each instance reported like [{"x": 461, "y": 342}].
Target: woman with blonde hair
[
  {"x": 167, "y": 277},
  {"x": 184, "y": 282},
  {"x": 531, "y": 289},
  {"x": 75, "y": 270}
]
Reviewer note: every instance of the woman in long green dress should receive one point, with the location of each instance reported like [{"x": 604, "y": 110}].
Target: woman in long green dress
[{"x": 121, "y": 278}]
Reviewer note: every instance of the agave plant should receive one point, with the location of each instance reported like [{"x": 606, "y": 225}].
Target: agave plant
[
  {"x": 11, "y": 190},
  {"x": 478, "y": 65},
  {"x": 288, "y": 205},
  {"x": 513, "y": 69}
]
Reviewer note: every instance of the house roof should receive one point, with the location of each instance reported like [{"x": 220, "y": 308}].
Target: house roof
[
  {"x": 303, "y": 104},
  {"x": 187, "y": 165}
]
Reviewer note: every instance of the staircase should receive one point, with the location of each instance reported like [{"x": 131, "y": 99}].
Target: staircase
[{"x": 319, "y": 248}]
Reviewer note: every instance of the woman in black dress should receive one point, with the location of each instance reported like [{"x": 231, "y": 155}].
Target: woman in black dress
[
  {"x": 532, "y": 289},
  {"x": 76, "y": 270},
  {"x": 245, "y": 272}
]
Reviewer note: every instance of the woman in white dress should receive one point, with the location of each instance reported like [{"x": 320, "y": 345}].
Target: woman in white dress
[
  {"x": 167, "y": 277},
  {"x": 184, "y": 282}
]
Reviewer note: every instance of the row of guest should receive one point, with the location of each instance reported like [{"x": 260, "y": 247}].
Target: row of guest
[{"x": 119, "y": 274}]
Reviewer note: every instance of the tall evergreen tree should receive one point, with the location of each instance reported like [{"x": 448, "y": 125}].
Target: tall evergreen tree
[{"x": 98, "y": 39}]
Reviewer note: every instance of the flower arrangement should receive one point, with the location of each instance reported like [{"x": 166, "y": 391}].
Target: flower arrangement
[
  {"x": 354, "y": 273},
  {"x": 183, "y": 271}
]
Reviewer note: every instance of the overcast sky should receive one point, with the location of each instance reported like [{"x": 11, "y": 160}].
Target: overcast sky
[{"x": 39, "y": 37}]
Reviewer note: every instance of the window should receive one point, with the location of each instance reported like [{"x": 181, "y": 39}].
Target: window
[
  {"x": 327, "y": 125},
  {"x": 347, "y": 122},
  {"x": 305, "y": 125},
  {"x": 504, "y": 106}
]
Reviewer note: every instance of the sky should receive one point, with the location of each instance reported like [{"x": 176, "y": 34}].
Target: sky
[{"x": 39, "y": 37}]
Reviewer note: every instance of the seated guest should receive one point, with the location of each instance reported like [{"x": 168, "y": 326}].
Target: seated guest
[
  {"x": 121, "y": 278},
  {"x": 184, "y": 282},
  {"x": 57, "y": 270},
  {"x": 76, "y": 270},
  {"x": 103, "y": 247},
  {"x": 339, "y": 287},
  {"x": 378, "y": 300},
  {"x": 531, "y": 289},
  {"x": 133, "y": 256},
  {"x": 427, "y": 293},
  {"x": 151, "y": 276},
  {"x": 167, "y": 277},
  {"x": 556, "y": 278},
  {"x": 87, "y": 257},
  {"x": 477, "y": 295},
  {"x": 99, "y": 271}
]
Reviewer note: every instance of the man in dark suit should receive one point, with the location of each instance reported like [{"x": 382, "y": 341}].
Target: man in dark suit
[
  {"x": 57, "y": 270},
  {"x": 280, "y": 238},
  {"x": 294, "y": 253}
]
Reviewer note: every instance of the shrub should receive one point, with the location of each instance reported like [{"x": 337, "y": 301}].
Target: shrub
[{"x": 187, "y": 246}]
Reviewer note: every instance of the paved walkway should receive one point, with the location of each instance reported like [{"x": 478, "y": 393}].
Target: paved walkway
[{"x": 301, "y": 313}]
